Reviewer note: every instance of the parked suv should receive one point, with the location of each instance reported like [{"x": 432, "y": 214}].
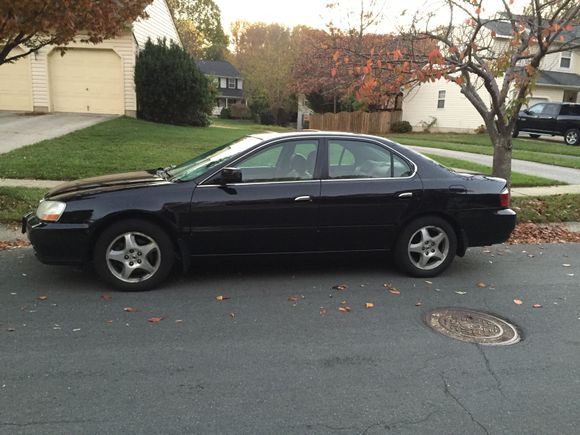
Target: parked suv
[{"x": 555, "y": 119}]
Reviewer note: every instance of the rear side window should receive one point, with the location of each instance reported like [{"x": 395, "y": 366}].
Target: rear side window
[
  {"x": 357, "y": 159},
  {"x": 570, "y": 110},
  {"x": 551, "y": 110}
]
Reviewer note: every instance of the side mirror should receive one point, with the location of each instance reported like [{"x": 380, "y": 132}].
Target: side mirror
[{"x": 230, "y": 175}]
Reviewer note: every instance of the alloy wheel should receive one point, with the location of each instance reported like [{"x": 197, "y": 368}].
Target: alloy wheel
[
  {"x": 133, "y": 257},
  {"x": 428, "y": 247}
]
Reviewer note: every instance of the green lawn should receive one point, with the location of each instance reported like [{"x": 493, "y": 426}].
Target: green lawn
[
  {"x": 119, "y": 145},
  {"x": 17, "y": 201},
  {"x": 551, "y": 153},
  {"x": 518, "y": 179}
]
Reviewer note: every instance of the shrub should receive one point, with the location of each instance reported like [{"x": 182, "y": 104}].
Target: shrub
[
  {"x": 481, "y": 129},
  {"x": 282, "y": 117},
  {"x": 170, "y": 88},
  {"x": 240, "y": 111},
  {"x": 267, "y": 118},
  {"x": 401, "y": 127},
  {"x": 427, "y": 125},
  {"x": 226, "y": 113}
]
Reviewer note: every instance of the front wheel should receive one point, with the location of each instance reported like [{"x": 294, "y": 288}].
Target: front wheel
[
  {"x": 426, "y": 247},
  {"x": 572, "y": 136},
  {"x": 133, "y": 255}
]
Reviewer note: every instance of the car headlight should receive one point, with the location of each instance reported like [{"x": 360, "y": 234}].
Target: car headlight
[{"x": 50, "y": 211}]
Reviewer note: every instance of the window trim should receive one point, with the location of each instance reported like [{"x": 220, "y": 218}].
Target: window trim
[
  {"x": 230, "y": 80},
  {"x": 562, "y": 57},
  {"x": 441, "y": 99},
  {"x": 321, "y": 168}
]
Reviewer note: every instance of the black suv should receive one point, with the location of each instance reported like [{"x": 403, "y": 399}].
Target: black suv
[{"x": 555, "y": 119}]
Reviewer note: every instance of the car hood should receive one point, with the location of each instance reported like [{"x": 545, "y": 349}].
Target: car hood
[{"x": 107, "y": 182}]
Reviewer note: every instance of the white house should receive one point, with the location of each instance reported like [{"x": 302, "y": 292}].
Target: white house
[
  {"x": 88, "y": 78},
  {"x": 442, "y": 103}
]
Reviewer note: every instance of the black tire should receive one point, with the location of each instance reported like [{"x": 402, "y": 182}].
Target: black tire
[
  {"x": 572, "y": 137},
  {"x": 534, "y": 136},
  {"x": 516, "y": 132},
  {"x": 133, "y": 255},
  {"x": 409, "y": 261}
]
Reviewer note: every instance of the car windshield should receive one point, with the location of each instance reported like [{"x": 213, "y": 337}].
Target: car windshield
[{"x": 197, "y": 166}]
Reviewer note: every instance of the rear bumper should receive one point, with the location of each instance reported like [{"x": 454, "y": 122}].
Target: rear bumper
[
  {"x": 482, "y": 229},
  {"x": 57, "y": 243}
]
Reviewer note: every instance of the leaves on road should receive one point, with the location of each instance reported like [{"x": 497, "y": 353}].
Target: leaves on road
[
  {"x": 221, "y": 298},
  {"x": 42, "y": 298},
  {"x": 340, "y": 287},
  {"x": 392, "y": 289},
  {"x": 536, "y": 306},
  {"x": 344, "y": 309},
  {"x": 322, "y": 311},
  {"x": 13, "y": 244},
  {"x": 518, "y": 301},
  {"x": 369, "y": 305},
  {"x": 106, "y": 297},
  {"x": 130, "y": 309},
  {"x": 418, "y": 304},
  {"x": 566, "y": 265},
  {"x": 461, "y": 293},
  {"x": 154, "y": 319},
  {"x": 534, "y": 233},
  {"x": 293, "y": 299},
  {"x": 481, "y": 285}
]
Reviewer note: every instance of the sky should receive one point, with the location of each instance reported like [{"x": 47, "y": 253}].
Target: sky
[{"x": 313, "y": 12}]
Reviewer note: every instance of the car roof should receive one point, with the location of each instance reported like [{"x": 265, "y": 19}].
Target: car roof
[{"x": 277, "y": 135}]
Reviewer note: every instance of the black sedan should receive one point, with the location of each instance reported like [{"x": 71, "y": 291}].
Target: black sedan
[{"x": 272, "y": 193}]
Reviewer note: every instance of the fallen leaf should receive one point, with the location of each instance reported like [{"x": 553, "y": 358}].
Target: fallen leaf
[
  {"x": 233, "y": 315},
  {"x": 518, "y": 301},
  {"x": 429, "y": 282},
  {"x": 109, "y": 322},
  {"x": 343, "y": 302},
  {"x": 130, "y": 309},
  {"x": 106, "y": 297},
  {"x": 154, "y": 319},
  {"x": 481, "y": 285},
  {"x": 418, "y": 304},
  {"x": 393, "y": 290},
  {"x": 566, "y": 265},
  {"x": 340, "y": 287},
  {"x": 76, "y": 329},
  {"x": 570, "y": 274},
  {"x": 322, "y": 311},
  {"x": 221, "y": 298},
  {"x": 369, "y": 305},
  {"x": 536, "y": 306},
  {"x": 42, "y": 298},
  {"x": 344, "y": 309},
  {"x": 293, "y": 299},
  {"x": 461, "y": 293},
  {"x": 179, "y": 321}
]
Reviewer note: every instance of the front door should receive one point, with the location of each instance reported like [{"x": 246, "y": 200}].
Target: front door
[
  {"x": 366, "y": 193},
  {"x": 273, "y": 209}
]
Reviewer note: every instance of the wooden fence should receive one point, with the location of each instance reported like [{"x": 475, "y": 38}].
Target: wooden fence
[{"x": 355, "y": 122}]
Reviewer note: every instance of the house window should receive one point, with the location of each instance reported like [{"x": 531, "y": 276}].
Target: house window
[
  {"x": 441, "y": 100},
  {"x": 232, "y": 83},
  {"x": 565, "y": 59}
]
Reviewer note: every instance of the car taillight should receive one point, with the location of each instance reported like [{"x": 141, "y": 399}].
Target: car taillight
[{"x": 504, "y": 198}]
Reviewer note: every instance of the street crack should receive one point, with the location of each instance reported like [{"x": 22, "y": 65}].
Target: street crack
[{"x": 461, "y": 405}]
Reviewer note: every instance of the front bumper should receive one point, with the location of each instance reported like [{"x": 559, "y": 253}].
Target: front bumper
[
  {"x": 57, "y": 243},
  {"x": 489, "y": 228}
]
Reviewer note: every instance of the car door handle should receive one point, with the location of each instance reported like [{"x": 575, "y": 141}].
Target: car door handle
[
  {"x": 305, "y": 198},
  {"x": 406, "y": 195}
]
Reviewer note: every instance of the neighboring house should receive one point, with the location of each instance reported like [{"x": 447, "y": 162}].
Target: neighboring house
[
  {"x": 228, "y": 81},
  {"x": 89, "y": 78},
  {"x": 558, "y": 80}
]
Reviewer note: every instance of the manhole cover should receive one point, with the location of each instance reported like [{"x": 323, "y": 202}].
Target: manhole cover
[{"x": 472, "y": 326}]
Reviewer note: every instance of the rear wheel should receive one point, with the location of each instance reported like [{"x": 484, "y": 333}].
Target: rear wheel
[
  {"x": 133, "y": 255},
  {"x": 572, "y": 136},
  {"x": 534, "y": 136},
  {"x": 426, "y": 247}
]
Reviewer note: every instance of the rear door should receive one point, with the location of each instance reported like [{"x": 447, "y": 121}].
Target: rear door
[
  {"x": 273, "y": 209},
  {"x": 367, "y": 191}
]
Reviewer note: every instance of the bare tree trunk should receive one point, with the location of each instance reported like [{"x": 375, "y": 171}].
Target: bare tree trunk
[{"x": 502, "y": 156}]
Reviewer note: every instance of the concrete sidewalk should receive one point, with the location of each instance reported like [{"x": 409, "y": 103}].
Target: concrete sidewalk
[{"x": 559, "y": 173}]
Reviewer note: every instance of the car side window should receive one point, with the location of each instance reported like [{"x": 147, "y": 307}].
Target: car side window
[
  {"x": 536, "y": 109},
  {"x": 287, "y": 161},
  {"x": 363, "y": 160},
  {"x": 551, "y": 110}
]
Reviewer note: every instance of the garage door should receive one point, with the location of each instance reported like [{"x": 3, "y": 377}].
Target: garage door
[
  {"x": 16, "y": 84},
  {"x": 86, "y": 81}
]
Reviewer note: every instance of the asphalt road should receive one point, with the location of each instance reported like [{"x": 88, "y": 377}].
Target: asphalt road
[{"x": 75, "y": 363}]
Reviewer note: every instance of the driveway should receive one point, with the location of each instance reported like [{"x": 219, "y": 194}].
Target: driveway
[
  {"x": 20, "y": 129},
  {"x": 258, "y": 363},
  {"x": 560, "y": 173}
]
